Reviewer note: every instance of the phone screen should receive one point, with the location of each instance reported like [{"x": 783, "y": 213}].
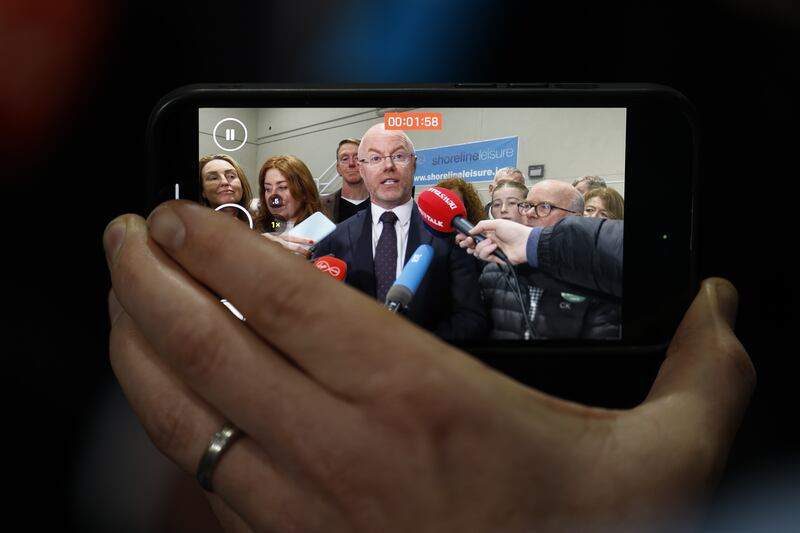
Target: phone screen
[{"x": 529, "y": 146}]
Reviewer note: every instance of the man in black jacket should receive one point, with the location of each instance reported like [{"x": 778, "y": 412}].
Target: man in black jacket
[
  {"x": 547, "y": 310},
  {"x": 353, "y": 196},
  {"x": 580, "y": 251}
]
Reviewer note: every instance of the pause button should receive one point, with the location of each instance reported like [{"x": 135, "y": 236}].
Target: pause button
[{"x": 230, "y": 134}]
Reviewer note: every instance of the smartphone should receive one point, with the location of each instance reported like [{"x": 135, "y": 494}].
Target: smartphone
[
  {"x": 315, "y": 228},
  {"x": 640, "y": 138}
]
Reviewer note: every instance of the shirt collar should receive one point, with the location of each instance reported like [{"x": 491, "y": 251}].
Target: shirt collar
[{"x": 403, "y": 212}]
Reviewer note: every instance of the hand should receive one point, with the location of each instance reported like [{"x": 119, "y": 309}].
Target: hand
[
  {"x": 293, "y": 243},
  {"x": 357, "y": 420},
  {"x": 511, "y": 237}
]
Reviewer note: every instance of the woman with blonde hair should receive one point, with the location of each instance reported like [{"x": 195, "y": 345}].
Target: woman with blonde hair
[
  {"x": 222, "y": 181},
  {"x": 506, "y": 197}
]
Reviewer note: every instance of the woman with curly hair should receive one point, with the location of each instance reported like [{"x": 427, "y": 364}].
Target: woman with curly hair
[{"x": 468, "y": 195}]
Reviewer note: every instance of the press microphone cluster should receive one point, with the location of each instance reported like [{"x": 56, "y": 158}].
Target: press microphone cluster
[
  {"x": 444, "y": 213},
  {"x": 333, "y": 266},
  {"x": 404, "y": 287}
]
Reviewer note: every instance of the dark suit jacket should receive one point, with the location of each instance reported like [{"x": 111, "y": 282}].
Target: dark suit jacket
[
  {"x": 330, "y": 204},
  {"x": 447, "y": 302}
]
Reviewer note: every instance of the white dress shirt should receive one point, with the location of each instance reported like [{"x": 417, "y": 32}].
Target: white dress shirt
[{"x": 401, "y": 227}]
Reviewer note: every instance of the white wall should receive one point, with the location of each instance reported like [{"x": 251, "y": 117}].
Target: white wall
[
  {"x": 569, "y": 142},
  {"x": 247, "y": 156}
]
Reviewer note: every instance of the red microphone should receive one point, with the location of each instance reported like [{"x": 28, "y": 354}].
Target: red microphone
[
  {"x": 333, "y": 266},
  {"x": 444, "y": 213}
]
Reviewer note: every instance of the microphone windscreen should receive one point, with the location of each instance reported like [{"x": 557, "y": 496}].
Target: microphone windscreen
[
  {"x": 438, "y": 207},
  {"x": 407, "y": 283},
  {"x": 333, "y": 266}
]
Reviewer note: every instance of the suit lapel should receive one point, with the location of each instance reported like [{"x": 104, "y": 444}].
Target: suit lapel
[
  {"x": 360, "y": 235},
  {"x": 417, "y": 234}
]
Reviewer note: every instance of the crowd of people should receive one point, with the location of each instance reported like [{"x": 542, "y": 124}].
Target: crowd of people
[{"x": 465, "y": 295}]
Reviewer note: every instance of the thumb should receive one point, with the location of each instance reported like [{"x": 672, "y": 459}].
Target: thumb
[{"x": 707, "y": 377}]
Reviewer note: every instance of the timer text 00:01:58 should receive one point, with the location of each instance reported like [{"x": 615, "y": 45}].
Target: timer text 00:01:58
[{"x": 412, "y": 121}]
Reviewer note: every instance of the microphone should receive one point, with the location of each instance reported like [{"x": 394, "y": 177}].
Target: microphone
[
  {"x": 444, "y": 213},
  {"x": 404, "y": 287},
  {"x": 333, "y": 266}
]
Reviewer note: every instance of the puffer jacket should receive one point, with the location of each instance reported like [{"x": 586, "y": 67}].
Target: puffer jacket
[{"x": 559, "y": 314}]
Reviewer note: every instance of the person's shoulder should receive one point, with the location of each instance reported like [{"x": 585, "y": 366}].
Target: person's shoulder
[
  {"x": 331, "y": 198},
  {"x": 355, "y": 220}
]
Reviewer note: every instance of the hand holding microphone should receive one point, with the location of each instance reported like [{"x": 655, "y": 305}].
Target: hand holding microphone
[
  {"x": 507, "y": 235},
  {"x": 444, "y": 213}
]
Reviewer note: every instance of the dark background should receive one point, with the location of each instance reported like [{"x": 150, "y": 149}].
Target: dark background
[{"x": 74, "y": 139}]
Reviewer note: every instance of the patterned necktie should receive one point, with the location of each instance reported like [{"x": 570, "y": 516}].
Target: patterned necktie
[{"x": 386, "y": 256}]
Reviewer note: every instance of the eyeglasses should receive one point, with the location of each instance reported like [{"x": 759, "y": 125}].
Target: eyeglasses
[
  {"x": 541, "y": 209},
  {"x": 400, "y": 159}
]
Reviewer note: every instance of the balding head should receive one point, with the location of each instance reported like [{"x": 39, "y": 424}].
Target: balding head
[
  {"x": 379, "y": 132},
  {"x": 389, "y": 183},
  {"x": 564, "y": 199}
]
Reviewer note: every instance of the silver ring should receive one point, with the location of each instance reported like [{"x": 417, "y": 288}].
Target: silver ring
[{"x": 209, "y": 460}]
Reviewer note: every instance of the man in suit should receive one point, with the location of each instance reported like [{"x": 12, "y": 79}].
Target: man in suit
[
  {"x": 376, "y": 243},
  {"x": 353, "y": 195}
]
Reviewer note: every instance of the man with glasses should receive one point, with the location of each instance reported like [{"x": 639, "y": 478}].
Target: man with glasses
[
  {"x": 549, "y": 201},
  {"x": 353, "y": 195},
  {"x": 551, "y": 314},
  {"x": 377, "y": 242}
]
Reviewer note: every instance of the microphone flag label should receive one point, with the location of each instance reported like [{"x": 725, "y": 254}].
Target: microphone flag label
[
  {"x": 325, "y": 266},
  {"x": 433, "y": 221},
  {"x": 450, "y": 203}
]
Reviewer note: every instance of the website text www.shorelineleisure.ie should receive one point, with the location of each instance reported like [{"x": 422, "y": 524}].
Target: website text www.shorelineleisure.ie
[{"x": 487, "y": 174}]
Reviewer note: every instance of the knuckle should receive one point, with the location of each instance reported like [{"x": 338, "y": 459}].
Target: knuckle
[
  {"x": 171, "y": 430},
  {"x": 286, "y": 308},
  {"x": 198, "y": 350},
  {"x": 739, "y": 360}
]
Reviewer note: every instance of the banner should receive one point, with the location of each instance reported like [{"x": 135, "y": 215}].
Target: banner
[{"x": 475, "y": 161}]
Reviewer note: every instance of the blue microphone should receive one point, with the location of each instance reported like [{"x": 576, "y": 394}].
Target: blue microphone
[{"x": 404, "y": 287}]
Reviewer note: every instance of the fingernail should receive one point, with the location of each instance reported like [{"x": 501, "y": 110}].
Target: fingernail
[
  {"x": 310, "y": 242},
  {"x": 113, "y": 237},
  {"x": 727, "y": 299},
  {"x": 167, "y": 228}
]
